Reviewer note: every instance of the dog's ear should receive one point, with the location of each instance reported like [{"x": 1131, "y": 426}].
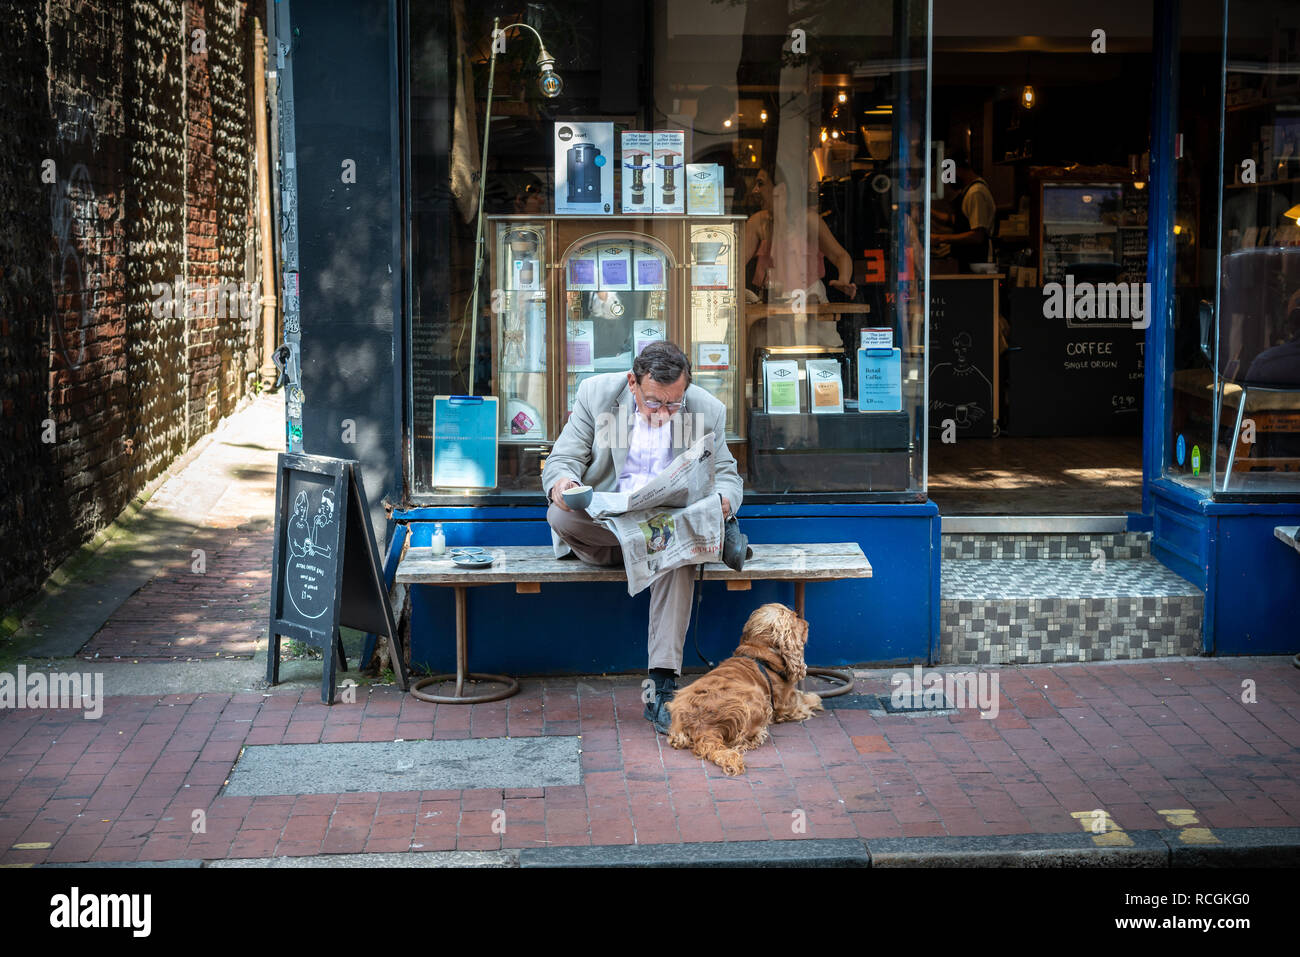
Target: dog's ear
[{"x": 789, "y": 634}]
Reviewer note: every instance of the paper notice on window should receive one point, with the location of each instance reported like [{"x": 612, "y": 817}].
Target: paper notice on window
[{"x": 880, "y": 380}]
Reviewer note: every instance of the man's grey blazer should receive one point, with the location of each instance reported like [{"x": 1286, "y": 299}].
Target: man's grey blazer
[{"x": 592, "y": 448}]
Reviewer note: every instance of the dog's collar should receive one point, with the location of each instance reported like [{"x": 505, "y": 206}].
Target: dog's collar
[{"x": 763, "y": 666}]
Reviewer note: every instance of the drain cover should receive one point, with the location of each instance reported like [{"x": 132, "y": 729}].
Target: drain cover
[{"x": 909, "y": 704}]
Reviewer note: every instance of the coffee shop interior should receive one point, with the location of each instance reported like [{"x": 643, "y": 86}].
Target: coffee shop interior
[{"x": 1034, "y": 410}]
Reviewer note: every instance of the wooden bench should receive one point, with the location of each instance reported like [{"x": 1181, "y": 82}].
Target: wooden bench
[{"x": 531, "y": 566}]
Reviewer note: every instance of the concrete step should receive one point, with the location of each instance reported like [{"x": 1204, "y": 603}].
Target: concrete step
[{"x": 1032, "y": 611}]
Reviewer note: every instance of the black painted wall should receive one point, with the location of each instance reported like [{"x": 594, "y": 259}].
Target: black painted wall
[{"x": 345, "y": 103}]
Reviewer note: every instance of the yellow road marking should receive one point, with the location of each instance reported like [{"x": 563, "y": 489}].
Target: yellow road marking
[
  {"x": 1183, "y": 818},
  {"x": 32, "y": 846},
  {"x": 1101, "y": 827}
]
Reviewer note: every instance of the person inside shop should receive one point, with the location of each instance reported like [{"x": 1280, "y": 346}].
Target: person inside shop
[
  {"x": 789, "y": 244},
  {"x": 657, "y": 389},
  {"x": 964, "y": 234},
  {"x": 1280, "y": 365}
]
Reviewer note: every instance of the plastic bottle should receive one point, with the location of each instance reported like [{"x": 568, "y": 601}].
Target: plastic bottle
[{"x": 439, "y": 539}]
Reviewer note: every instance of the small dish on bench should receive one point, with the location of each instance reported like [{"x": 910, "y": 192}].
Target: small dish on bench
[{"x": 474, "y": 560}]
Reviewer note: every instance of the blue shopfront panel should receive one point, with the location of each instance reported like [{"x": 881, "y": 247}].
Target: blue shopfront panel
[
  {"x": 595, "y": 627},
  {"x": 1251, "y": 579},
  {"x": 1256, "y": 585}
]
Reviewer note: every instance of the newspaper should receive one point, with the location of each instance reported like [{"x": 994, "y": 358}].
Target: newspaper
[{"x": 674, "y": 520}]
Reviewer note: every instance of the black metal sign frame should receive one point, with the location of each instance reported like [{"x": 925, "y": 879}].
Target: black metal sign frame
[{"x": 325, "y": 570}]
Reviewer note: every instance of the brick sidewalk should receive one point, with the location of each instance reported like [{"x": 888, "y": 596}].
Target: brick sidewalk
[
  {"x": 181, "y": 613},
  {"x": 212, "y": 597},
  {"x": 1133, "y": 739}
]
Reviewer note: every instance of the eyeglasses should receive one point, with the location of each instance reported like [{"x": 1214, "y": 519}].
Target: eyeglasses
[{"x": 654, "y": 405}]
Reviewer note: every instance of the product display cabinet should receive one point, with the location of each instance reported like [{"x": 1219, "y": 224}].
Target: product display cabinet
[{"x": 575, "y": 297}]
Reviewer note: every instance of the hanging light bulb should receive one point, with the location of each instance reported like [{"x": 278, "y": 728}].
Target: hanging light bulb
[
  {"x": 835, "y": 134},
  {"x": 548, "y": 81},
  {"x": 1028, "y": 97},
  {"x": 823, "y": 135},
  {"x": 727, "y": 122},
  {"x": 763, "y": 116},
  {"x": 844, "y": 97}
]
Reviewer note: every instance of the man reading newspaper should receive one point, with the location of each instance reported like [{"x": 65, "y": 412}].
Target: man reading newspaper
[{"x": 653, "y": 448}]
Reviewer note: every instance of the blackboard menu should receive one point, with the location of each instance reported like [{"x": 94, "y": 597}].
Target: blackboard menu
[
  {"x": 325, "y": 570},
  {"x": 963, "y": 355},
  {"x": 1072, "y": 376}
]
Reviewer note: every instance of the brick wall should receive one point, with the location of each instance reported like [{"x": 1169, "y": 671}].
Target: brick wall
[{"x": 126, "y": 172}]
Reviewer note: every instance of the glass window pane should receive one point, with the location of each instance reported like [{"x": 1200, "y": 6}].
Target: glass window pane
[
  {"x": 1258, "y": 343},
  {"x": 746, "y": 182}
]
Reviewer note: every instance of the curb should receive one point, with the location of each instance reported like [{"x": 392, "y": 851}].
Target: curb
[
  {"x": 798, "y": 853},
  {"x": 1272, "y": 847}
]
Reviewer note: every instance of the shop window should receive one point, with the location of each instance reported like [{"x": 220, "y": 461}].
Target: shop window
[
  {"x": 1235, "y": 424},
  {"x": 749, "y": 188}
]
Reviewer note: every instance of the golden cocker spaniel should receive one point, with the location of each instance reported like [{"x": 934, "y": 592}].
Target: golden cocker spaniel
[{"x": 728, "y": 710}]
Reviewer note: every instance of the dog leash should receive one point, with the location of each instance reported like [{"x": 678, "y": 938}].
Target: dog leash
[
  {"x": 699, "y": 596},
  {"x": 771, "y": 692}
]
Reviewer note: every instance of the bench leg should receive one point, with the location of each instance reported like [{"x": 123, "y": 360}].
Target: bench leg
[
  {"x": 462, "y": 668},
  {"x": 843, "y": 675},
  {"x": 462, "y": 650}
]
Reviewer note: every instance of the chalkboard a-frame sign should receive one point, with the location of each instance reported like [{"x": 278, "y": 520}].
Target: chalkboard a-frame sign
[{"x": 325, "y": 570}]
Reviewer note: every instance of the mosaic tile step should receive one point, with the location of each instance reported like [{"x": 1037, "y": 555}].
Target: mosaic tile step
[
  {"x": 1045, "y": 630},
  {"x": 1111, "y": 545},
  {"x": 998, "y": 579}
]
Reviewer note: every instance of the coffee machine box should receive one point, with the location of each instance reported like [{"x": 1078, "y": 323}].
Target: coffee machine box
[
  {"x": 638, "y": 171},
  {"x": 670, "y": 171},
  {"x": 703, "y": 189},
  {"x": 584, "y": 169}
]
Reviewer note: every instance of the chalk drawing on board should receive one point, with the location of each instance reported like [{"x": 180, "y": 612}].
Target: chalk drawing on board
[
  {"x": 310, "y": 591},
  {"x": 959, "y": 389}
]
